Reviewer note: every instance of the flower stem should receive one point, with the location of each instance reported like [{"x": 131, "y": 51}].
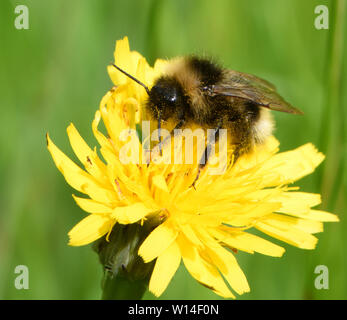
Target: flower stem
[{"x": 122, "y": 288}]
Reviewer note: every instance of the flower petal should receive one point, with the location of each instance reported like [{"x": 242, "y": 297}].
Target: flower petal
[
  {"x": 320, "y": 215},
  {"x": 287, "y": 167},
  {"x": 159, "y": 181},
  {"x": 87, "y": 156},
  {"x": 287, "y": 234},
  {"x": 247, "y": 242},
  {"x": 226, "y": 263},
  {"x": 282, "y": 221},
  {"x": 203, "y": 271},
  {"x": 89, "y": 229},
  {"x": 92, "y": 206},
  {"x": 131, "y": 213},
  {"x": 78, "y": 178},
  {"x": 165, "y": 267},
  {"x": 158, "y": 241},
  {"x": 122, "y": 58}
]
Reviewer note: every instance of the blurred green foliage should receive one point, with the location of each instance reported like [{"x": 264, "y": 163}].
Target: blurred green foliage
[{"x": 55, "y": 73}]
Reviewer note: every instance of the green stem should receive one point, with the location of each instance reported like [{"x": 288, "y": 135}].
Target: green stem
[
  {"x": 332, "y": 121},
  {"x": 122, "y": 288}
]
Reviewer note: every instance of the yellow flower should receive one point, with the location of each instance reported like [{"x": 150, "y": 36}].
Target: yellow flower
[{"x": 197, "y": 225}]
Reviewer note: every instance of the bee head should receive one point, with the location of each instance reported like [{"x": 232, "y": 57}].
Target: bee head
[{"x": 166, "y": 98}]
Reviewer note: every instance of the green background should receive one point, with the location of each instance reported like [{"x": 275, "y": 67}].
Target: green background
[{"x": 55, "y": 73}]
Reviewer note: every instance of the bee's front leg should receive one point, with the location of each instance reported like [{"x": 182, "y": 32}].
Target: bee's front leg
[
  {"x": 162, "y": 142},
  {"x": 206, "y": 154}
]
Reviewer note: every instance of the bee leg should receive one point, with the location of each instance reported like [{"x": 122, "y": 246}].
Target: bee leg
[
  {"x": 159, "y": 132},
  {"x": 240, "y": 149},
  {"x": 198, "y": 174},
  {"x": 205, "y": 156},
  {"x": 162, "y": 142},
  {"x": 236, "y": 153}
]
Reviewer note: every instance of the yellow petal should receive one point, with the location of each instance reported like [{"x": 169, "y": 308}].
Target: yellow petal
[
  {"x": 247, "y": 242},
  {"x": 248, "y": 213},
  {"x": 131, "y": 214},
  {"x": 145, "y": 74},
  {"x": 190, "y": 234},
  {"x": 320, "y": 215},
  {"x": 123, "y": 60},
  {"x": 160, "y": 182},
  {"x": 297, "y": 202},
  {"x": 78, "y": 178},
  {"x": 282, "y": 222},
  {"x": 228, "y": 266},
  {"x": 113, "y": 122},
  {"x": 87, "y": 156},
  {"x": 103, "y": 141},
  {"x": 290, "y": 235},
  {"x": 158, "y": 241},
  {"x": 203, "y": 271},
  {"x": 89, "y": 229},
  {"x": 92, "y": 206},
  {"x": 287, "y": 167},
  {"x": 226, "y": 263},
  {"x": 261, "y": 154},
  {"x": 165, "y": 268}
]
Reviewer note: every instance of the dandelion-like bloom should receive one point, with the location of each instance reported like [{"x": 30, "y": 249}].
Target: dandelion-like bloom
[{"x": 203, "y": 225}]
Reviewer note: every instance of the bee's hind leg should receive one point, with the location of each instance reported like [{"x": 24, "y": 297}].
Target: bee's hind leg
[{"x": 245, "y": 146}]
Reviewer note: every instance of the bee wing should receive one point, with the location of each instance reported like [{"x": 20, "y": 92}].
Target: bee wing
[
  {"x": 252, "y": 88},
  {"x": 246, "y": 78}
]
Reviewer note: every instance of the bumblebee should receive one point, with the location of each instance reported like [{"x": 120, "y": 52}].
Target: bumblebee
[{"x": 197, "y": 90}]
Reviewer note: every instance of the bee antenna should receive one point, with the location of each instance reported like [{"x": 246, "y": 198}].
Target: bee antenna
[{"x": 131, "y": 77}]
